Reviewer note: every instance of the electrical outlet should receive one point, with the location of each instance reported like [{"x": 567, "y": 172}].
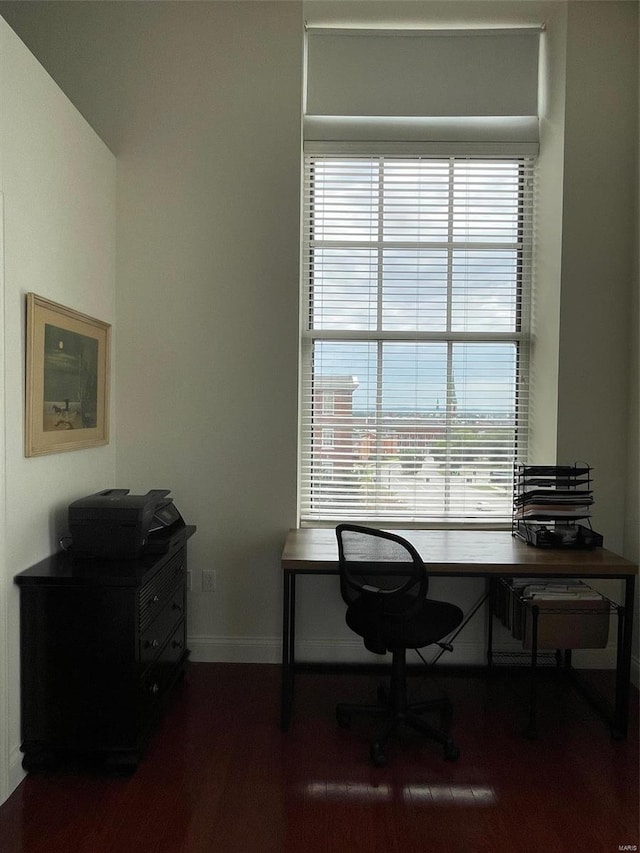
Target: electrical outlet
[{"x": 209, "y": 580}]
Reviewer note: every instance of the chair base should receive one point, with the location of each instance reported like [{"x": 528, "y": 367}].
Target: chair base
[{"x": 394, "y": 710}]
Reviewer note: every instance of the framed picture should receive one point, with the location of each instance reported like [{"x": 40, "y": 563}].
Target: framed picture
[{"x": 67, "y": 399}]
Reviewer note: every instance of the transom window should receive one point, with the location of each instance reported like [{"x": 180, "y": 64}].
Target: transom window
[{"x": 414, "y": 337}]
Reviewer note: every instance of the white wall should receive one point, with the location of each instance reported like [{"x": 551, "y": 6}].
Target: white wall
[
  {"x": 208, "y": 212},
  {"x": 599, "y": 231},
  {"x": 582, "y": 362},
  {"x": 597, "y": 401},
  {"x": 202, "y": 108},
  {"x": 545, "y": 306},
  {"x": 4, "y": 574},
  {"x": 58, "y": 185}
]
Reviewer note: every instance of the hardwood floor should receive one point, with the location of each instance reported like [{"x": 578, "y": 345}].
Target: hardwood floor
[{"x": 220, "y": 777}]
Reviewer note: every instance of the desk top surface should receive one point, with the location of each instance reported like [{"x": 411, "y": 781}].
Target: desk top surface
[{"x": 462, "y": 552}]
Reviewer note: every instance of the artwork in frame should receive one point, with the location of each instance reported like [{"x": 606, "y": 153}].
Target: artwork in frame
[{"x": 67, "y": 394}]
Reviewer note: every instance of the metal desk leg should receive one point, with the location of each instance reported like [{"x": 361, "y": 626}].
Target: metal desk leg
[
  {"x": 288, "y": 648},
  {"x": 531, "y": 731},
  {"x": 490, "y": 587},
  {"x": 623, "y": 663}
]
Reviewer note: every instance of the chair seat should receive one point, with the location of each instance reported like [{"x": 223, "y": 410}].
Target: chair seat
[{"x": 428, "y": 623}]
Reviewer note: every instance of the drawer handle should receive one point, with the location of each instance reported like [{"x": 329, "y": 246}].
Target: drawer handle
[
  {"x": 176, "y": 606},
  {"x": 151, "y": 644},
  {"x": 155, "y": 689},
  {"x": 155, "y": 599},
  {"x": 177, "y": 644}
]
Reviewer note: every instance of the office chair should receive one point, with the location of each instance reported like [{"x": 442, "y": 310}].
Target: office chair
[{"x": 384, "y": 584}]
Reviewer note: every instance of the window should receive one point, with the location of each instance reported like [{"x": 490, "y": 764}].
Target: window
[
  {"x": 328, "y": 401},
  {"x": 415, "y": 286}
]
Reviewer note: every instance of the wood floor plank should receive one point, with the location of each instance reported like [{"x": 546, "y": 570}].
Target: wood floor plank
[{"x": 219, "y": 777}]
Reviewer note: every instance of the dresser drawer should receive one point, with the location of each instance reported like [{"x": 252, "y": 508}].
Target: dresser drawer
[
  {"x": 155, "y": 594},
  {"x": 154, "y": 637},
  {"x": 165, "y": 669}
]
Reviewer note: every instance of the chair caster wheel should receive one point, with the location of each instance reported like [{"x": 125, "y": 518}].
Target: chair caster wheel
[
  {"x": 451, "y": 751},
  {"x": 377, "y": 755},
  {"x": 343, "y": 718}
]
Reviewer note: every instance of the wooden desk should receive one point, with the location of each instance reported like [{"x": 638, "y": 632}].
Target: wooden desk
[{"x": 464, "y": 553}]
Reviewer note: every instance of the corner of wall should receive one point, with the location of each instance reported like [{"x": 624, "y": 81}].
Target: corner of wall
[{"x": 57, "y": 179}]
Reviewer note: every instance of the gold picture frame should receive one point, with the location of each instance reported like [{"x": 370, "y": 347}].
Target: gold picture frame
[{"x": 67, "y": 373}]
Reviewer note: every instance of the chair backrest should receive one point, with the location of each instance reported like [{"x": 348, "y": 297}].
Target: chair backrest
[{"x": 377, "y": 562}]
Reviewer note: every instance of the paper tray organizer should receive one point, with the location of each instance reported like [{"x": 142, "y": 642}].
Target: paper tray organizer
[
  {"x": 552, "y": 506},
  {"x": 562, "y": 614}
]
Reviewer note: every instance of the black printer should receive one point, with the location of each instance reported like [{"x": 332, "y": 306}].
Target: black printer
[{"x": 113, "y": 524}]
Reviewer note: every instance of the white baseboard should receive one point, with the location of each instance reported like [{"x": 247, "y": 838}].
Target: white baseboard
[
  {"x": 269, "y": 650},
  {"x": 209, "y": 649}
]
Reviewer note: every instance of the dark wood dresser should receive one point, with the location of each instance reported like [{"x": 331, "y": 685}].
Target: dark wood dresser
[{"x": 102, "y": 643}]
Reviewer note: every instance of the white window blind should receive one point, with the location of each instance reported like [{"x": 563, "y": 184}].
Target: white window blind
[
  {"x": 414, "y": 337},
  {"x": 422, "y": 72}
]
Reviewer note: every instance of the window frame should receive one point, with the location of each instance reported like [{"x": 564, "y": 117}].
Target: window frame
[{"x": 520, "y": 336}]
